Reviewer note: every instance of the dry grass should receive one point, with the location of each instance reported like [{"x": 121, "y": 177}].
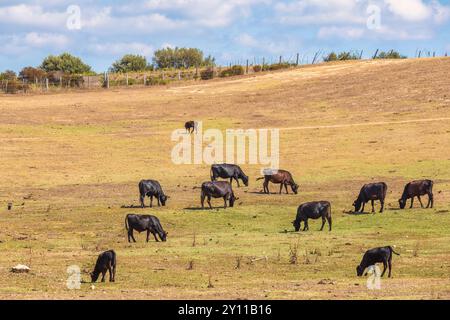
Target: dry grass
[{"x": 71, "y": 161}]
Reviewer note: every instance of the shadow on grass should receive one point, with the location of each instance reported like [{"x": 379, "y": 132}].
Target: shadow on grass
[
  {"x": 204, "y": 209},
  {"x": 272, "y": 193},
  {"x": 138, "y": 207},
  {"x": 353, "y": 213}
]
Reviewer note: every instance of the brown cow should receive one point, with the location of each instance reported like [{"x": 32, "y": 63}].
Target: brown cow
[
  {"x": 191, "y": 126},
  {"x": 282, "y": 177},
  {"x": 416, "y": 189}
]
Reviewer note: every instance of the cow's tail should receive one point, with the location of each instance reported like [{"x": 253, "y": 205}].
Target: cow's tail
[
  {"x": 126, "y": 223},
  {"x": 392, "y": 249}
]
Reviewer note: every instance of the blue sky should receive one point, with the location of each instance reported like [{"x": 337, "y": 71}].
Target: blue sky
[{"x": 230, "y": 30}]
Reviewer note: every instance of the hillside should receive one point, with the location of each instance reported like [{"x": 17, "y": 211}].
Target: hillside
[{"x": 71, "y": 161}]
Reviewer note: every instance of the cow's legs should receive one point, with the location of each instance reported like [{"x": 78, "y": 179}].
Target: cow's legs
[
  {"x": 130, "y": 234},
  {"x": 113, "y": 273},
  {"x": 382, "y": 206},
  {"x": 151, "y": 201},
  {"x": 148, "y": 235},
  {"x": 306, "y": 226},
  {"x": 384, "y": 268},
  {"x": 209, "y": 202},
  {"x": 431, "y": 200},
  {"x": 237, "y": 181},
  {"x": 363, "y": 206},
  {"x": 286, "y": 187},
  {"x": 159, "y": 203},
  {"x": 103, "y": 275},
  {"x": 373, "y": 206},
  {"x": 202, "y": 200},
  {"x": 225, "y": 199},
  {"x": 420, "y": 200},
  {"x": 110, "y": 272},
  {"x": 281, "y": 187},
  {"x": 323, "y": 223},
  {"x": 141, "y": 200},
  {"x": 154, "y": 235},
  {"x": 412, "y": 203},
  {"x": 266, "y": 187},
  {"x": 329, "y": 222}
]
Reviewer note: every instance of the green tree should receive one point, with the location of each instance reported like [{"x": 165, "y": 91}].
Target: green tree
[
  {"x": 390, "y": 55},
  {"x": 180, "y": 58},
  {"x": 130, "y": 63},
  {"x": 8, "y": 75},
  {"x": 66, "y": 63}
]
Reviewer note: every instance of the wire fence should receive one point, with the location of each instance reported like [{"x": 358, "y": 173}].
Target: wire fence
[{"x": 109, "y": 80}]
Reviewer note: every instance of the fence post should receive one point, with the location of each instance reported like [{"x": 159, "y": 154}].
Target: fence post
[
  {"x": 376, "y": 54},
  {"x": 247, "y": 67},
  {"x": 281, "y": 59},
  {"x": 127, "y": 79},
  {"x": 298, "y": 59},
  {"x": 360, "y": 56},
  {"x": 46, "y": 84},
  {"x": 263, "y": 64}
]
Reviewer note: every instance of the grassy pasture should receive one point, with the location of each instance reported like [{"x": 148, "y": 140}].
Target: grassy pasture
[{"x": 70, "y": 161}]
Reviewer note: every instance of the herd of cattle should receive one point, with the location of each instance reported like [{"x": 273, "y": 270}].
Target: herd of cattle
[{"x": 223, "y": 189}]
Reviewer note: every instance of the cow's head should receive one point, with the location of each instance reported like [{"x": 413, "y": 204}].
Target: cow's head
[
  {"x": 94, "y": 276},
  {"x": 357, "y": 204},
  {"x": 233, "y": 199},
  {"x": 163, "y": 199},
  {"x": 245, "y": 179},
  {"x": 402, "y": 203},
  {"x": 295, "y": 188},
  {"x": 296, "y": 224},
  {"x": 359, "y": 271},
  {"x": 163, "y": 236}
]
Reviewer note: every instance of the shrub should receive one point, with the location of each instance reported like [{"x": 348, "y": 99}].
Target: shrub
[
  {"x": 65, "y": 63},
  {"x": 233, "y": 71},
  {"x": 390, "y": 55},
  {"x": 207, "y": 74},
  {"x": 277, "y": 66},
  {"x": 330, "y": 57},
  {"x": 342, "y": 56},
  {"x": 131, "y": 63},
  {"x": 257, "y": 68}
]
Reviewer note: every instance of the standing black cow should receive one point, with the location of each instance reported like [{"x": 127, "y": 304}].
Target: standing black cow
[
  {"x": 313, "y": 210},
  {"x": 417, "y": 189},
  {"x": 143, "y": 223},
  {"x": 228, "y": 171},
  {"x": 217, "y": 189},
  {"x": 371, "y": 192},
  {"x": 106, "y": 262},
  {"x": 151, "y": 188},
  {"x": 377, "y": 255},
  {"x": 191, "y": 126}
]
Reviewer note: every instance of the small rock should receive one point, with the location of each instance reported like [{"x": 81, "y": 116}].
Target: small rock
[{"x": 20, "y": 268}]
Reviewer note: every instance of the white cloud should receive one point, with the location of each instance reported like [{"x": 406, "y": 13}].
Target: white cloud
[
  {"x": 32, "y": 16},
  {"x": 34, "y": 39},
  {"x": 410, "y": 10}
]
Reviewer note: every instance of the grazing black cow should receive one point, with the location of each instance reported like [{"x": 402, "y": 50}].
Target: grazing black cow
[
  {"x": 377, "y": 255},
  {"x": 371, "y": 192},
  {"x": 142, "y": 223},
  {"x": 417, "y": 189},
  {"x": 228, "y": 171},
  {"x": 313, "y": 210},
  {"x": 191, "y": 126},
  {"x": 217, "y": 189},
  {"x": 106, "y": 262},
  {"x": 282, "y": 177},
  {"x": 151, "y": 188}
]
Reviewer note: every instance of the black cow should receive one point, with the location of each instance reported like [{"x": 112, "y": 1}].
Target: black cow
[
  {"x": 312, "y": 210},
  {"x": 191, "y": 126},
  {"x": 377, "y": 255},
  {"x": 371, "y": 192},
  {"x": 217, "y": 189},
  {"x": 228, "y": 171},
  {"x": 106, "y": 262},
  {"x": 151, "y": 188},
  {"x": 417, "y": 189},
  {"x": 142, "y": 223}
]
